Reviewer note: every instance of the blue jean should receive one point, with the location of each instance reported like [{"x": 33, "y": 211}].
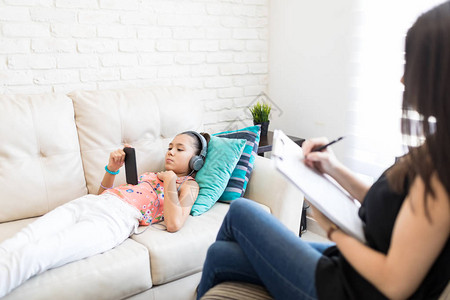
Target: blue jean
[{"x": 253, "y": 246}]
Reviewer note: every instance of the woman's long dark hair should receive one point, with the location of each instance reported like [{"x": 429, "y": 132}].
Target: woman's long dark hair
[{"x": 427, "y": 91}]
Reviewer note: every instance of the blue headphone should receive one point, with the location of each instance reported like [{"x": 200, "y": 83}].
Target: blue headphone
[{"x": 196, "y": 162}]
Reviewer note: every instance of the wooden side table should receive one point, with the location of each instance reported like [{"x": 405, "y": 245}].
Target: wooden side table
[{"x": 266, "y": 142}]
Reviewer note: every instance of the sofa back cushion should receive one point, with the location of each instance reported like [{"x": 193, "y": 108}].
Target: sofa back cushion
[
  {"x": 40, "y": 162},
  {"x": 147, "y": 119}
]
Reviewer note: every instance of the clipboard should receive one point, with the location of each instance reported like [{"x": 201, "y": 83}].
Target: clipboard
[{"x": 319, "y": 189}]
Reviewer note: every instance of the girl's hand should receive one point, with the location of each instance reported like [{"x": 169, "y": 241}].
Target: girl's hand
[
  {"x": 166, "y": 176},
  {"x": 323, "y": 161},
  {"x": 117, "y": 159}
]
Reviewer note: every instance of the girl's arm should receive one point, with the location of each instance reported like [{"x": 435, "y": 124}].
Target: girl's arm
[
  {"x": 415, "y": 244},
  {"x": 107, "y": 181},
  {"x": 326, "y": 162},
  {"x": 116, "y": 160},
  {"x": 177, "y": 206}
]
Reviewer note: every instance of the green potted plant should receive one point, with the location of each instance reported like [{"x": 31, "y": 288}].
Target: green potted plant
[{"x": 260, "y": 113}]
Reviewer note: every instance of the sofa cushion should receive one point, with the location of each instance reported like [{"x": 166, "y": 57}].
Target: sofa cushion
[
  {"x": 242, "y": 172},
  {"x": 182, "y": 253},
  {"x": 40, "y": 162},
  {"x": 221, "y": 159},
  {"x": 183, "y": 288},
  {"x": 285, "y": 201},
  {"x": 145, "y": 118},
  {"x": 115, "y": 274}
]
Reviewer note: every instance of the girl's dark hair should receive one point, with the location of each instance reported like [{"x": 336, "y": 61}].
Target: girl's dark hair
[
  {"x": 427, "y": 91},
  {"x": 197, "y": 143}
]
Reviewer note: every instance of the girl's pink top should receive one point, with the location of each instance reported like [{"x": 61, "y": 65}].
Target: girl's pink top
[{"x": 147, "y": 196}]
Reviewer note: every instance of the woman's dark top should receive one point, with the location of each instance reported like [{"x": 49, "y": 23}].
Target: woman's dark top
[{"x": 336, "y": 278}]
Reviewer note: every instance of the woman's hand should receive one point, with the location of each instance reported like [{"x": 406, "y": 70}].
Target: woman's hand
[
  {"x": 117, "y": 159},
  {"x": 326, "y": 162},
  {"x": 167, "y": 176},
  {"x": 323, "y": 161}
]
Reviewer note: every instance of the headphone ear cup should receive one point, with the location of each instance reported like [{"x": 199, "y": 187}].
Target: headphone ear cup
[{"x": 196, "y": 163}]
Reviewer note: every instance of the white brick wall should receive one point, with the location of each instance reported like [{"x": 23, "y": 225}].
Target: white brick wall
[{"x": 217, "y": 47}]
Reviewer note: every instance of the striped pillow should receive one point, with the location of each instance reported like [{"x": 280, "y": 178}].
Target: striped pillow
[{"x": 241, "y": 174}]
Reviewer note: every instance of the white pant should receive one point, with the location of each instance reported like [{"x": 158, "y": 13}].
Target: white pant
[{"x": 78, "y": 229}]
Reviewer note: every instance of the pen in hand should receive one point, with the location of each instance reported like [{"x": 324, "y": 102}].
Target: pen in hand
[{"x": 329, "y": 144}]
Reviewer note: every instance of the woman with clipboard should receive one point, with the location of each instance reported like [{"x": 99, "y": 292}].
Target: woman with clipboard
[{"x": 406, "y": 212}]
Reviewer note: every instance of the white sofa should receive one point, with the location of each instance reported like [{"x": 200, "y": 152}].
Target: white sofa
[{"x": 53, "y": 148}]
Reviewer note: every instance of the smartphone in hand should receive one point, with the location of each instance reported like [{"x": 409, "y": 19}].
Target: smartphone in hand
[{"x": 130, "y": 165}]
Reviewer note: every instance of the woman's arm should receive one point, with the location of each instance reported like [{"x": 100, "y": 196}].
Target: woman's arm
[
  {"x": 350, "y": 182},
  {"x": 177, "y": 207},
  {"x": 326, "y": 162},
  {"x": 415, "y": 244}
]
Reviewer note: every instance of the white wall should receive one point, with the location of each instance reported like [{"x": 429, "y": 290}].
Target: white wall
[
  {"x": 219, "y": 47},
  {"x": 335, "y": 69},
  {"x": 309, "y": 54}
]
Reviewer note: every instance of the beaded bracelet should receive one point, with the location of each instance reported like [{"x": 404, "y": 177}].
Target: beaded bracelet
[
  {"x": 111, "y": 172},
  {"x": 106, "y": 188}
]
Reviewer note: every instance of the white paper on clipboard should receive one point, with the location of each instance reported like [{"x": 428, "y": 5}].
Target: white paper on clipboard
[{"x": 320, "y": 191}]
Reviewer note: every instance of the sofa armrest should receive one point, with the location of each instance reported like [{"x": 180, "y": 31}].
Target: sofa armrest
[{"x": 267, "y": 186}]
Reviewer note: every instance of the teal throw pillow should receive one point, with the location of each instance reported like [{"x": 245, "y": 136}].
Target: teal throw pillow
[
  {"x": 241, "y": 174},
  {"x": 221, "y": 159}
]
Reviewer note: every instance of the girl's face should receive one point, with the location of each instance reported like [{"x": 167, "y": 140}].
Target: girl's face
[{"x": 179, "y": 153}]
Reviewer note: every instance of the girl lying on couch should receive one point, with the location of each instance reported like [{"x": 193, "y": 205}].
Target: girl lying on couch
[{"x": 93, "y": 224}]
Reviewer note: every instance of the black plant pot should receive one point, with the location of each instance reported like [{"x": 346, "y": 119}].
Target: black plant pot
[{"x": 264, "y": 127}]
